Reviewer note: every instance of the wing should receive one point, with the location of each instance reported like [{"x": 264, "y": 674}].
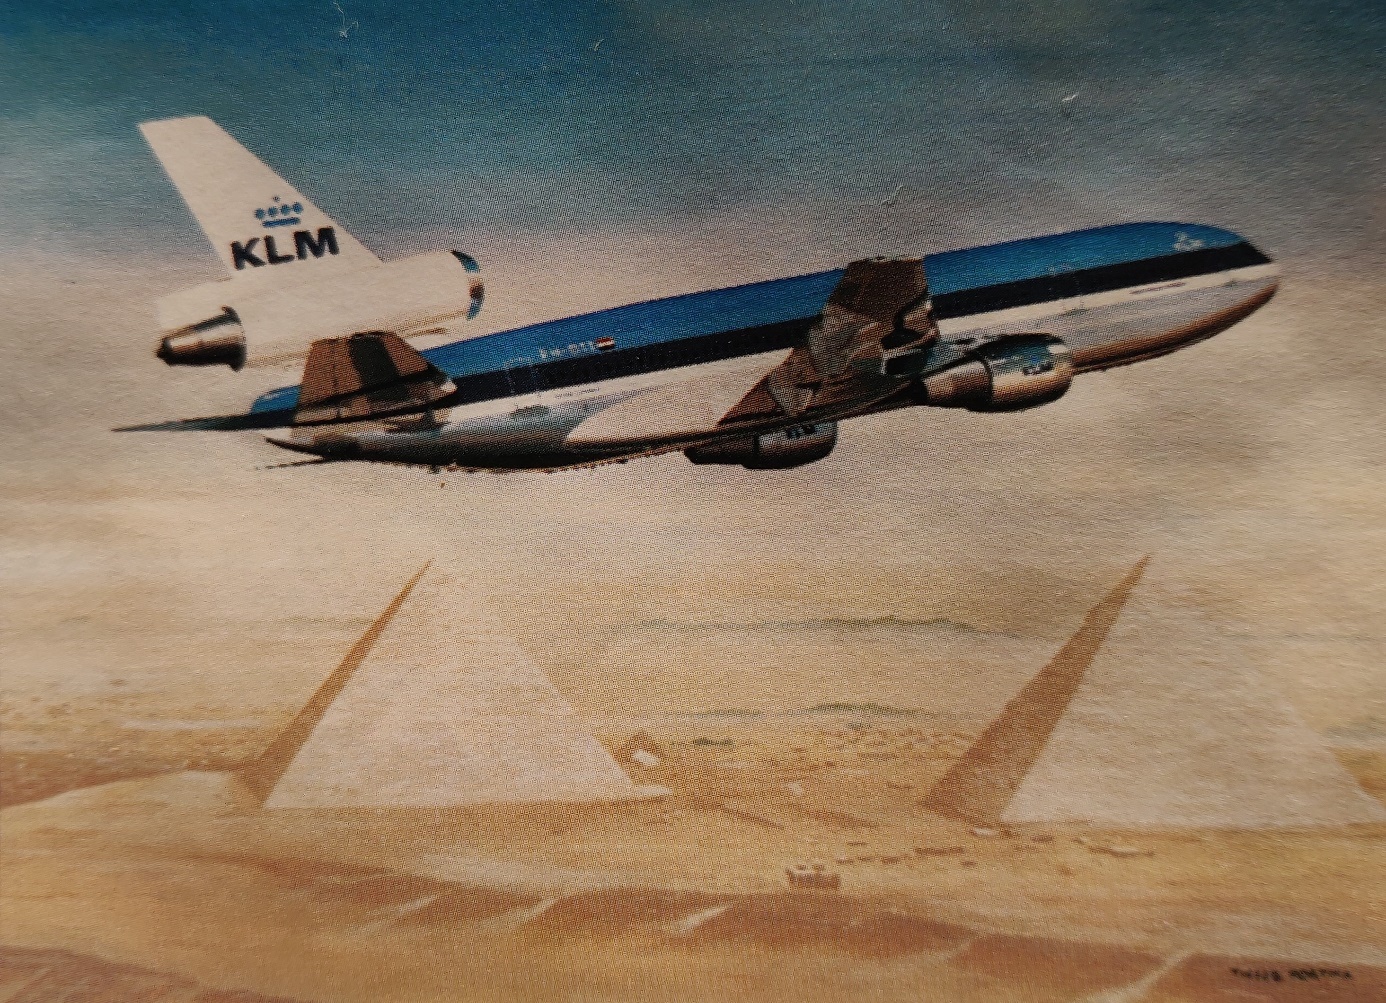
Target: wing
[
  {"x": 880, "y": 308},
  {"x": 671, "y": 413}
]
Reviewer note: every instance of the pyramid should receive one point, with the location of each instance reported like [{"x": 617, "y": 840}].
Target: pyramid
[
  {"x": 1151, "y": 715},
  {"x": 437, "y": 706},
  {"x": 979, "y": 786},
  {"x": 1174, "y": 725}
]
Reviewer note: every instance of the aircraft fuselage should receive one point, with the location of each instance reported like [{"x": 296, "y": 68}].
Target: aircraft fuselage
[{"x": 532, "y": 397}]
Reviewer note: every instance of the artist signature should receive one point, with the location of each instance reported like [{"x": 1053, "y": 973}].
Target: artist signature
[{"x": 1299, "y": 974}]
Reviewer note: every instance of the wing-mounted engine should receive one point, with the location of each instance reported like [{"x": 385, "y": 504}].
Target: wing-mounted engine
[
  {"x": 370, "y": 375},
  {"x": 1010, "y": 373},
  {"x": 788, "y": 447}
]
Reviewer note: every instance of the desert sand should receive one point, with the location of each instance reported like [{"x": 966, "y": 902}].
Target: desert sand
[
  {"x": 375, "y": 848},
  {"x": 687, "y": 896}
]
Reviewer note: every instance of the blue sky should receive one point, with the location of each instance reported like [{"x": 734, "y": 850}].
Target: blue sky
[
  {"x": 1265, "y": 116},
  {"x": 1250, "y": 464}
]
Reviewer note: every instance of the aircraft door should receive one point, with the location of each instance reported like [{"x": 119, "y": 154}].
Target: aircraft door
[
  {"x": 523, "y": 377},
  {"x": 1068, "y": 287}
]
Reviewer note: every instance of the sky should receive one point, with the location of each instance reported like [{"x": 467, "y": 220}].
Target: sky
[
  {"x": 587, "y": 115},
  {"x": 595, "y": 154}
]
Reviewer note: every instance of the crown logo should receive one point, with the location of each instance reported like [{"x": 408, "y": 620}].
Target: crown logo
[
  {"x": 1183, "y": 242},
  {"x": 279, "y": 214}
]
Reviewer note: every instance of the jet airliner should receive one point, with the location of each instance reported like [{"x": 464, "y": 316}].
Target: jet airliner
[{"x": 756, "y": 375}]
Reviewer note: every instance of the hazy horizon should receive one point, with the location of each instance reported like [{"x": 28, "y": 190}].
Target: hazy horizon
[{"x": 618, "y": 151}]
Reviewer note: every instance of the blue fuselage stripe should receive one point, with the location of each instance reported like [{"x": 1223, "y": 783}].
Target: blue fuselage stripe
[{"x": 765, "y": 316}]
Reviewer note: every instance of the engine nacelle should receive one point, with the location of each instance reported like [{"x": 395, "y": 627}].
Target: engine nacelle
[
  {"x": 217, "y": 341},
  {"x": 253, "y": 319},
  {"x": 1012, "y": 373},
  {"x": 790, "y": 447}
]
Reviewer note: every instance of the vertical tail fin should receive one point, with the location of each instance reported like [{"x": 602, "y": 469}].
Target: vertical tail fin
[{"x": 249, "y": 213}]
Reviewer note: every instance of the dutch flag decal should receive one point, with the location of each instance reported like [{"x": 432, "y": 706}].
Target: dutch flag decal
[{"x": 605, "y": 344}]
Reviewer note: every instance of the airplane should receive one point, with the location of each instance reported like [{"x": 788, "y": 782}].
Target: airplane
[{"x": 756, "y": 375}]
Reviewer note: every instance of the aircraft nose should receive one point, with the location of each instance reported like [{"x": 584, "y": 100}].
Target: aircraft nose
[
  {"x": 1255, "y": 253},
  {"x": 1262, "y": 255},
  {"x": 1262, "y": 270},
  {"x": 1269, "y": 272},
  {"x": 1251, "y": 292}
]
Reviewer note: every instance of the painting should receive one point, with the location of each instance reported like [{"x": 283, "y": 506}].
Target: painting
[{"x": 631, "y": 501}]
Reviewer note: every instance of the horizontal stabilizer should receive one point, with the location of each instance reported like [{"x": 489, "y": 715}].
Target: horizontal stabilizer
[{"x": 366, "y": 376}]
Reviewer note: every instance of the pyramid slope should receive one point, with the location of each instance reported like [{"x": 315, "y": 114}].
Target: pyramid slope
[
  {"x": 1174, "y": 725},
  {"x": 982, "y": 782},
  {"x": 446, "y": 709}
]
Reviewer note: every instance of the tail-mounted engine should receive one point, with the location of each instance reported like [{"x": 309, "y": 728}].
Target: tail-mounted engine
[
  {"x": 253, "y": 320},
  {"x": 790, "y": 447},
  {"x": 1012, "y": 373},
  {"x": 216, "y": 341}
]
